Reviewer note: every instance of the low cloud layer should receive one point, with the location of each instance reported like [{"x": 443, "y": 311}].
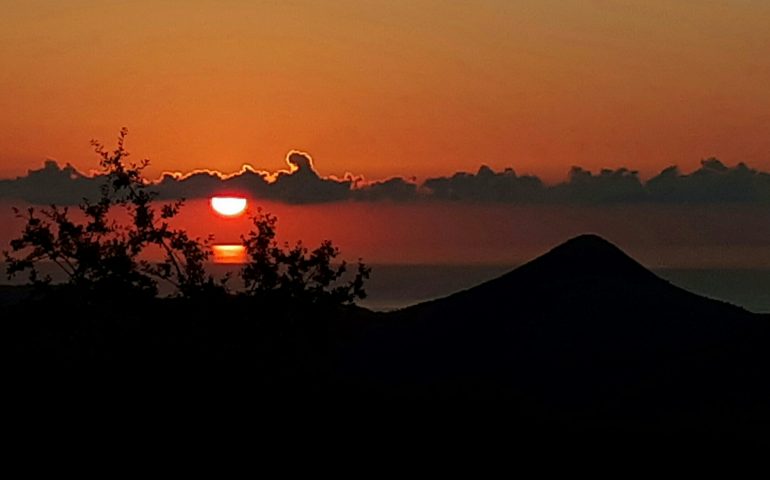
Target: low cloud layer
[{"x": 300, "y": 183}]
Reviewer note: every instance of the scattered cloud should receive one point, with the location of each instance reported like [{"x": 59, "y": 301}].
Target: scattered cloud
[
  {"x": 52, "y": 184},
  {"x": 713, "y": 182},
  {"x": 486, "y": 185},
  {"x": 300, "y": 183},
  {"x": 607, "y": 186}
]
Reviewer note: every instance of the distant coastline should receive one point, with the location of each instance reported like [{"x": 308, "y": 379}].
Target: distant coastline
[{"x": 392, "y": 286}]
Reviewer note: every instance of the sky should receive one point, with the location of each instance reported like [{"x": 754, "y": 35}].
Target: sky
[
  {"x": 399, "y": 88},
  {"x": 358, "y": 118}
]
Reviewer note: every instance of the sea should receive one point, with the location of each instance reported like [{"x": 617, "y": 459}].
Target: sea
[{"x": 424, "y": 251}]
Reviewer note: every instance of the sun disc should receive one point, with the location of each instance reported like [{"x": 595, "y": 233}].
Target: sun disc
[{"x": 228, "y": 206}]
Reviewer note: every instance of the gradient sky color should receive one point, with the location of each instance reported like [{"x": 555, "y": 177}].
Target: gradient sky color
[{"x": 382, "y": 88}]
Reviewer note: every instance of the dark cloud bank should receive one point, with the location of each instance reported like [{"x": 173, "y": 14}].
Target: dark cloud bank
[{"x": 713, "y": 182}]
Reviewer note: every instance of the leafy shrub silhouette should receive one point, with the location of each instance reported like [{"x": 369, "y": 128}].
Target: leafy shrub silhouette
[
  {"x": 102, "y": 258},
  {"x": 296, "y": 272}
]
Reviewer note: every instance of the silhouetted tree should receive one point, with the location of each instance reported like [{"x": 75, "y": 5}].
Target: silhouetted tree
[
  {"x": 297, "y": 272},
  {"x": 101, "y": 255}
]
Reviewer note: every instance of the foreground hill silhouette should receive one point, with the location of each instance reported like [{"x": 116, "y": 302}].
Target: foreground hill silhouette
[{"x": 582, "y": 337}]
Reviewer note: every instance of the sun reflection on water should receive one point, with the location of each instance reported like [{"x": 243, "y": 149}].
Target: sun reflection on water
[{"x": 229, "y": 254}]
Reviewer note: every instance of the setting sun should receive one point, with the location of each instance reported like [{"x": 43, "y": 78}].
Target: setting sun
[{"x": 228, "y": 206}]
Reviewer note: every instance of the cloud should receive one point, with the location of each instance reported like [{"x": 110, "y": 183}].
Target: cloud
[
  {"x": 300, "y": 183},
  {"x": 713, "y": 182},
  {"x": 52, "y": 184},
  {"x": 486, "y": 186},
  {"x": 395, "y": 189},
  {"x": 207, "y": 183},
  {"x": 607, "y": 186}
]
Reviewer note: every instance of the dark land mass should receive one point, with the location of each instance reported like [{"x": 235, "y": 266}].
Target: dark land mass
[{"x": 581, "y": 338}]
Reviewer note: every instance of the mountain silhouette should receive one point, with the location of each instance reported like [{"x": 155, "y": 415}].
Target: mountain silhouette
[
  {"x": 586, "y": 270},
  {"x": 583, "y": 336}
]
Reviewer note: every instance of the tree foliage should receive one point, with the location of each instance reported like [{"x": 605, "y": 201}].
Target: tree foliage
[
  {"x": 297, "y": 272},
  {"x": 103, "y": 257}
]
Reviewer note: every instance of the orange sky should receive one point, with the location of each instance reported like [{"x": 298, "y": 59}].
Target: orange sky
[{"x": 382, "y": 88}]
